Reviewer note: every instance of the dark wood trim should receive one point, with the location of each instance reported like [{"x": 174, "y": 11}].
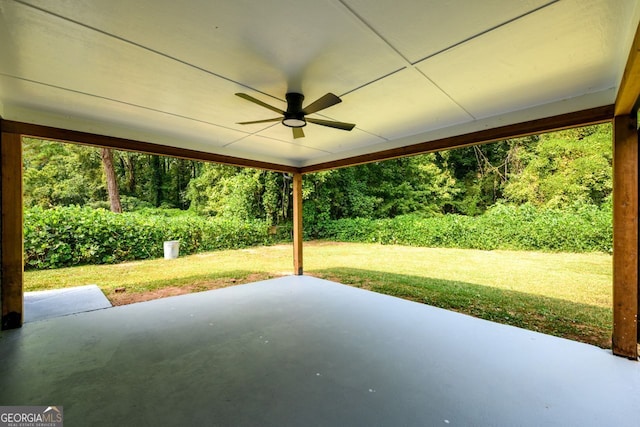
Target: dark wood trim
[
  {"x": 628, "y": 98},
  {"x": 625, "y": 237},
  {"x": 534, "y": 127},
  {"x": 57, "y": 134},
  {"x": 11, "y": 230},
  {"x": 584, "y": 117},
  {"x": 297, "y": 224}
]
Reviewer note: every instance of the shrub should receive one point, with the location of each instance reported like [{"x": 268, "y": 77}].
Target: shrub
[
  {"x": 67, "y": 236},
  {"x": 580, "y": 228}
]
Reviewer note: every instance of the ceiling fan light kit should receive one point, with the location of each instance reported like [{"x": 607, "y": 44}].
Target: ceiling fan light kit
[
  {"x": 294, "y": 122},
  {"x": 294, "y": 117}
]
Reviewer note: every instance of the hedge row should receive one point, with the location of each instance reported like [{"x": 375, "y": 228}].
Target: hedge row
[
  {"x": 584, "y": 229},
  {"x": 67, "y": 236}
]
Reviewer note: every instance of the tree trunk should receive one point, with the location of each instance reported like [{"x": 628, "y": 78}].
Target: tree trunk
[
  {"x": 129, "y": 166},
  {"x": 112, "y": 183},
  {"x": 156, "y": 180}
]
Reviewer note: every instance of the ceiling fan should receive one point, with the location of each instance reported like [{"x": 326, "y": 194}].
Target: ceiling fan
[{"x": 294, "y": 117}]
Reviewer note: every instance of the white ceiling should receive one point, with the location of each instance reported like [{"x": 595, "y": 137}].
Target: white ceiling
[{"x": 408, "y": 71}]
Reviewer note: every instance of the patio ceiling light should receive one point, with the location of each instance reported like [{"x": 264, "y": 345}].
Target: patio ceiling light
[{"x": 294, "y": 122}]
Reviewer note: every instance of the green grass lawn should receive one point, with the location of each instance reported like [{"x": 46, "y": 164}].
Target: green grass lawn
[{"x": 562, "y": 294}]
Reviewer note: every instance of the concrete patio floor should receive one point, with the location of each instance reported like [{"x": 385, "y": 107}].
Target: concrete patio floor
[
  {"x": 41, "y": 305},
  {"x": 300, "y": 351}
]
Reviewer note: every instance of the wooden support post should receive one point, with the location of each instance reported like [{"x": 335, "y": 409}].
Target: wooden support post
[
  {"x": 11, "y": 234},
  {"x": 625, "y": 237},
  {"x": 297, "y": 224}
]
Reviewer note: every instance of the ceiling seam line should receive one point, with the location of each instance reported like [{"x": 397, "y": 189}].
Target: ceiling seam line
[
  {"x": 143, "y": 47},
  {"x": 488, "y": 30},
  {"x": 276, "y": 139},
  {"x": 413, "y": 65},
  {"x": 249, "y": 134},
  {"x": 374, "y": 31},
  {"x": 118, "y": 101},
  {"x": 373, "y": 81},
  {"x": 445, "y": 93},
  {"x": 385, "y": 139}
]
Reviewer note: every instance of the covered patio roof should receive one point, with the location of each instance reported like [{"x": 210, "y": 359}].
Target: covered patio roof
[
  {"x": 414, "y": 76},
  {"x": 408, "y": 72}
]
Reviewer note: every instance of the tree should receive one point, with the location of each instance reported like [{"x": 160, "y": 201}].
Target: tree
[
  {"x": 565, "y": 167},
  {"x": 379, "y": 190},
  {"x": 57, "y": 174},
  {"x": 128, "y": 161},
  {"x": 554, "y": 169},
  {"x": 482, "y": 172},
  {"x": 227, "y": 191},
  {"x": 112, "y": 183}
]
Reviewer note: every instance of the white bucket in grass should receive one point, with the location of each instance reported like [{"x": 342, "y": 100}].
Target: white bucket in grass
[{"x": 171, "y": 249}]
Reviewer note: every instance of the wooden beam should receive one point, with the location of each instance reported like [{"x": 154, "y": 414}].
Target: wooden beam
[
  {"x": 625, "y": 237},
  {"x": 534, "y": 127},
  {"x": 11, "y": 249},
  {"x": 56, "y": 134},
  {"x": 297, "y": 224},
  {"x": 628, "y": 96}
]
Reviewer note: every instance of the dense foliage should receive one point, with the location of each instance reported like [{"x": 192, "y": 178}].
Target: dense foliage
[
  {"x": 584, "y": 228},
  {"x": 550, "y": 170},
  {"x": 59, "y": 174},
  {"x": 550, "y": 192},
  {"x": 66, "y": 236}
]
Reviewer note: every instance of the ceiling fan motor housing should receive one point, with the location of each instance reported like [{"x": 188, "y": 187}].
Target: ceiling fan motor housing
[{"x": 294, "y": 117}]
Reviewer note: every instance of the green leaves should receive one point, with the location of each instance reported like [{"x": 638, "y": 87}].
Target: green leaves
[
  {"x": 579, "y": 228},
  {"x": 564, "y": 167},
  {"x": 67, "y": 236},
  {"x": 242, "y": 194},
  {"x": 60, "y": 174}
]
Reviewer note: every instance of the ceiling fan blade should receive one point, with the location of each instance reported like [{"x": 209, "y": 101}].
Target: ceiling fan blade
[
  {"x": 257, "y": 101},
  {"x": 321, "y": 103},
  {"x": 277, "y": 119},
  {"x": 331, "y": 124},
  {"x": 297, "y": 133}
]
